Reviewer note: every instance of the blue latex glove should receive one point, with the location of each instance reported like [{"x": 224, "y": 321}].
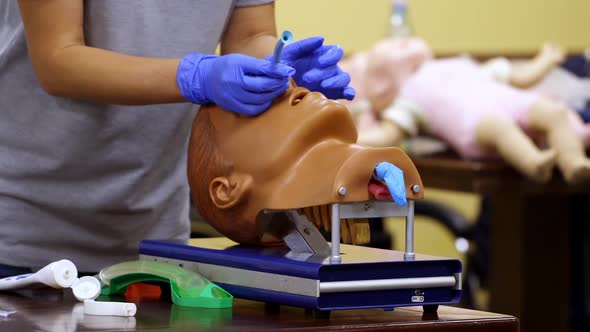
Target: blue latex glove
[
  {"x": 394, "y": 179},
  {"x": 236, "y": 82},
  {"x": 317, "y": 68}
]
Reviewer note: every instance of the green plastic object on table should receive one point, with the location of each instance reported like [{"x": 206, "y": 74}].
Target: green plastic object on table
[{"x": 188, "y": 288}]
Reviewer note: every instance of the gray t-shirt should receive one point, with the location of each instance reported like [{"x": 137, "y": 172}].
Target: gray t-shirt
[{"x": 88, "y": 181}]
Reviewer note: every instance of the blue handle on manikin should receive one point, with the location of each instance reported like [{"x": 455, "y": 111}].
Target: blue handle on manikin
[{"x": 393, "y": 177}]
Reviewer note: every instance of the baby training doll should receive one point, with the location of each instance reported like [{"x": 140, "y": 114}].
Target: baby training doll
[{"x": 471, "y": 107}]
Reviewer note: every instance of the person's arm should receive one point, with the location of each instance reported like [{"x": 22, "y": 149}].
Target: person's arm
[
  {"x": 65, "y": 66},
  {"x": 533, "y": 71},
  {"x": 251, "y": 31}
]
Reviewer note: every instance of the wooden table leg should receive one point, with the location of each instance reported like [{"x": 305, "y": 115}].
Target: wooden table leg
[{"x": 530, "y": 259}]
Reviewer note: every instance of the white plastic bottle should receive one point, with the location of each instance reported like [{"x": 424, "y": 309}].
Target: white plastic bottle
[{"x": 400, "y": 22}]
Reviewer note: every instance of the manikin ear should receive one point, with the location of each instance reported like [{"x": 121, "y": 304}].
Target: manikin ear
[{"x": 228, "y": 191}]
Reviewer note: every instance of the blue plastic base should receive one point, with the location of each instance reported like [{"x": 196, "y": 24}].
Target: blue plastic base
[{"x": 358, "y": 263}]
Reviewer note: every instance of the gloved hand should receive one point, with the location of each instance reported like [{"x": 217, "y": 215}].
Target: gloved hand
[
  {"x": 317, "y": 68},
  {"x": 236, "y": 82},
  {"x": 394, "y": 179}
]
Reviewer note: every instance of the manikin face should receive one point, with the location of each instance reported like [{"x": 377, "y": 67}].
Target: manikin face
[
  {"x": 295, "y": 155},
  {"x": 390, "y": 63},
  {"x": 273, "y": 143}
]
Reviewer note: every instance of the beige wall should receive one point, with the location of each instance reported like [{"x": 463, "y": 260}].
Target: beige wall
[{"x": 451, "y": 26}]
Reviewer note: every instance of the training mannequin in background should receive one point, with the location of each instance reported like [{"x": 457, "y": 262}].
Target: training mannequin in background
[
  {"x": 561, "y": 85},
  {"x": 296, "y": 155},
  {"x": 472, "y": 108}
]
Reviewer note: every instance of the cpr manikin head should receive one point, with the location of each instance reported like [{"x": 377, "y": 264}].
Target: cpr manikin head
[
  {"x": 295, "y": 155},
  {"x": 390, "y": 62}
]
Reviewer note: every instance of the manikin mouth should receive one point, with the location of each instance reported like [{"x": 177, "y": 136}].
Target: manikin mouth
[{"x": 352, "y": 231}]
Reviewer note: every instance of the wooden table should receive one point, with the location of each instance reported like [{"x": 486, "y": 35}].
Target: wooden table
[
  {"x": 53, "y": 310},
  {"x": 530, "y": 239}
]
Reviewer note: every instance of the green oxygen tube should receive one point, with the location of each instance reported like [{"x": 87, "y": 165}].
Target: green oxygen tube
[{"x": 188, "y": 288}]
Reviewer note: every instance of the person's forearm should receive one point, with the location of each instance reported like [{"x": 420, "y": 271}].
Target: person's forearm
[
  {"x": 65, "y": 66},
  {"x": 102, "y": 76},
  {"x": 251, "y": 31},
  {"x": 258, "y": 46}
]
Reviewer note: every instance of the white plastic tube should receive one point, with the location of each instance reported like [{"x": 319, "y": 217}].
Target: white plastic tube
[
  {"x": 59, "y": 274},
  {"x": 5, "y": 313},
  {"x": 92, "y": 307}
]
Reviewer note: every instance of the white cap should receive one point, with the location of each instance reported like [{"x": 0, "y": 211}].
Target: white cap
[
  {"x": 86, "y": 288},
  {"x": 64, "y": 273},
  {"x": 92, "y": 307}
]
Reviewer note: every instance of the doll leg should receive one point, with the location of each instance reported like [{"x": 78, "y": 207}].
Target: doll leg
[
  {"x": 581, "y": 128},
  {"x": 503, "y": 135},
  {"x": 552, "y": 119}
]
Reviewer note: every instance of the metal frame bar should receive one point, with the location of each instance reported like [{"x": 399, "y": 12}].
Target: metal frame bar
[
  {"x": 335, "y": 257},
  {"x": 371, "y": 209}
]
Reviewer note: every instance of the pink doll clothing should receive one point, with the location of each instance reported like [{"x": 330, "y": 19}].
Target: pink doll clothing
[{"x": 454, "y": 94}]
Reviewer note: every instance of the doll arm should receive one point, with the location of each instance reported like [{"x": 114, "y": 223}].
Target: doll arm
[
  {"x": 527, "y": 73},
  {"x": 533, "y": 71},
  {"x": 399, "y": 121},
  {"x": 386, "y": 133}
]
